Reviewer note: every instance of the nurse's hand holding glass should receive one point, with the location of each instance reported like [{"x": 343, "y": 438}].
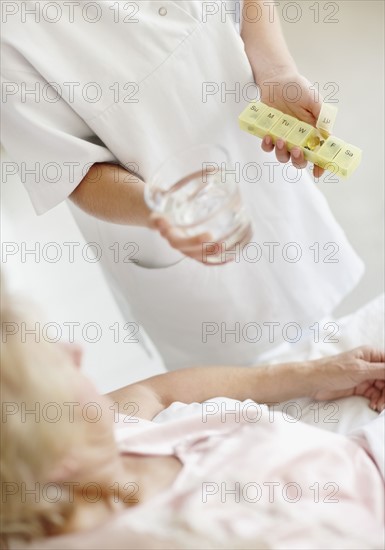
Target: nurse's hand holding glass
[{"x": 197, "y": 204}]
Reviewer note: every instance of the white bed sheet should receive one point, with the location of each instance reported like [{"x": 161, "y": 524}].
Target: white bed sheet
[{"x": 364, "y": 327}]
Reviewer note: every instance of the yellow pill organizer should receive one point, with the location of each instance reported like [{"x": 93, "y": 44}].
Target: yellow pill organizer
[{"x": 318, "y": 146}]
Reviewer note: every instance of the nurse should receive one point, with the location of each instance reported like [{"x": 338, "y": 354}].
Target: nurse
[{"x": 98, "y": 95}]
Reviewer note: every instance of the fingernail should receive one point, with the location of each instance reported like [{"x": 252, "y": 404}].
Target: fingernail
[
  {"x": 268, "y": 140},
  {"x": 280, "y": 144},
  {"x": 296, "y": 153}
]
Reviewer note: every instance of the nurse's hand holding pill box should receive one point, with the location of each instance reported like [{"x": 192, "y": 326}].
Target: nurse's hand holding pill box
[
  {"x": 280, "y": 83},
  {"x": 291, "y": 94}
]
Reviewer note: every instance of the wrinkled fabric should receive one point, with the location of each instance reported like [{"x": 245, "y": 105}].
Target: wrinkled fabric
[
  {"x": 268, "y": 480},
  {"x": 317, "y": 489}
]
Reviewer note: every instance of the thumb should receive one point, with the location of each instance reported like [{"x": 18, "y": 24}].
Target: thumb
[{"x": 157, "y": 221}]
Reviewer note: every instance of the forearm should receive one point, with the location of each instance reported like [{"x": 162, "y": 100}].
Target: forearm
[
  {"x": 265, "y": 44},
  {"x": 265, "y": 384},
  {"x": 111, "y": 193}
]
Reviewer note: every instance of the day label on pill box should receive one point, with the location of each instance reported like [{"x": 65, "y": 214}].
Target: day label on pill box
[
  {"x": 330, "y": 148},
  {"x": 347, "y": 159},
  {"x": 249, "y": 117},
  {"x": 283, "y": 127},
  {"x": 256, "y": 109},
  {"x": 299, "y": 135},
  {"x": 267, "y": 120}
]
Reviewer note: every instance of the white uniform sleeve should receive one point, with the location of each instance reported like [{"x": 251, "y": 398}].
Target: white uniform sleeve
[{"x": 50, "y": 146}]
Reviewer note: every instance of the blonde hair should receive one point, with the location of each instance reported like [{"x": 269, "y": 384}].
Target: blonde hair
[{"x": 34, "y": 374}]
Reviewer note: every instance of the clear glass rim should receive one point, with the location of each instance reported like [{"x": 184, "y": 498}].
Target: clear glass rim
[{"x": 153, "y": 178}]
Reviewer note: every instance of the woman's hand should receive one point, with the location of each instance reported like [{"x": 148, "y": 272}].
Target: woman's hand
[
  {"x": 292, "y": 94},
  {"x": 357, "y": 372},
  {"x": 199, "y": 247}
]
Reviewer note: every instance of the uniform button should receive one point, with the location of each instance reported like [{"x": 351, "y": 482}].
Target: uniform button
[{"x": 162, "y": 11}]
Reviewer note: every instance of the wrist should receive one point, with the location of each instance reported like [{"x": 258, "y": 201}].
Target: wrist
[
  {"x": 284, "y": 381},
  {"x": 306, "y": 377},
  {"x": 269, "y": 63},
  {"x": 269, "y": 72},
  {"x": 299, "y": 378}
]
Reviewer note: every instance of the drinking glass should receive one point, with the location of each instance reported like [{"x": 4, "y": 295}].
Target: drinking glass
[{"x": 197, "y": 191}]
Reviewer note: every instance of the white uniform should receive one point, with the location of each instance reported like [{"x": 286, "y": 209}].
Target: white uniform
[{"x": 133, "y": 89}]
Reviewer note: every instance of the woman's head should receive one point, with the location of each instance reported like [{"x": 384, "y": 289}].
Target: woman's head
[{"x": 56, "y": 431}]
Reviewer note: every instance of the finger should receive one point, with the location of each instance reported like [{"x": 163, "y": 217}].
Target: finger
[
  {"x": 159, "y": 222},
  {"x": 318, "y": 171},
  {"x": 298, "y": 158},
  {"x": 204, "y": 253},
  {"x": 374, "y": 399},
  {"x": 281, "y": 151},
  {"x": 363, "y": 387},
  {"x": 370, "y": 392},
  {"x": 310, "y": 113},
  {"x": 381, "y": 402},
  {"x": 163, "y": 226},
  {"x": 200, "y": 248},
  {"x": 312, "y": 117},
  {"x": 267, "y": 144},
  {"x": 156, "y": 219},
  {"x": 193, "y": 247},
  {"x": 178, "y": 239}
]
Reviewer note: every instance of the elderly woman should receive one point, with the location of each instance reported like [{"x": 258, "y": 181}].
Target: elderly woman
[{"x": 82, "y": 470}]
